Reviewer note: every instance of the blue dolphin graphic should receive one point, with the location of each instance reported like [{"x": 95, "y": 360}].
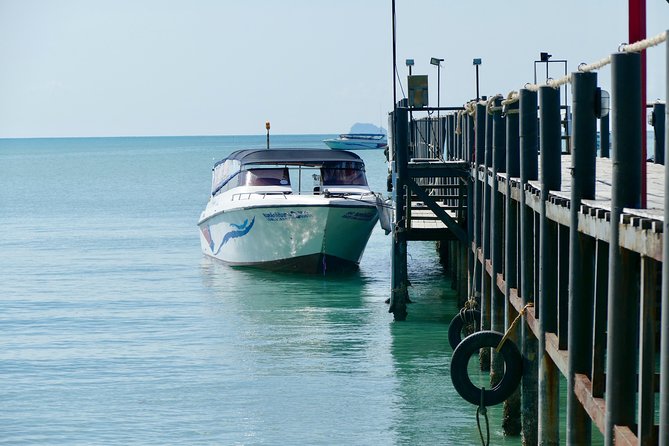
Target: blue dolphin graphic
[
  {"x": 243, "y": 225},
  {"x": 242, "y": 230}
]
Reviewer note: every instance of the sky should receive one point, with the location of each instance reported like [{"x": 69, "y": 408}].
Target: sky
[{"x": 223, "y": 67}]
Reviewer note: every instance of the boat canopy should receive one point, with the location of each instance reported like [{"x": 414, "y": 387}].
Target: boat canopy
[
  {"x": 339, "y": 167},
  {"x": 290, "y": 156}
]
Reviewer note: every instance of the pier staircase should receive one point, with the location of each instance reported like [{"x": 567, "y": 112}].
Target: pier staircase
[{"x": 430, "y": 196}]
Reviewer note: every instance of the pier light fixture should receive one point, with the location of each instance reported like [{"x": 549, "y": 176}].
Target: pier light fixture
[
  {"x": 410, "y": 64},
  {"x": 437, "y": 62},
  {"x": 545, "y": 58},
  {"x": 476, "y": 62},
  {"x": 602, "y": 103}
]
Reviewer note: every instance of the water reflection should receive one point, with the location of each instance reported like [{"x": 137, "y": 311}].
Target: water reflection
[
  {"x": 294, "y": 315},
  {"x": 314, "y": 347}
]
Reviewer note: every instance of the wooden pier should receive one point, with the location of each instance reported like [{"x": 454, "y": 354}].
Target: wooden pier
[{"x": 552, "y": 228}]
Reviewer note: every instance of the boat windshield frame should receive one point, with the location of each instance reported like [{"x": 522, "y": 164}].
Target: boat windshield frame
[{"x": 226, "y": 170}]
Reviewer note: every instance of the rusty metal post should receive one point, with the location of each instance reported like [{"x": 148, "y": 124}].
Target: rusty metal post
[
  {"x": 497, "y": 234},
  {"x": 471, "y": 204},
  {"x": 398, "y": 294},
  {"x": 551, "y": 148},
  {"x": 478, "y": 158},
  {"x": 451, "y": 137},
  {"x": 621, "y": 383},
  {"x": 599, "y": 317},
  {"x": 470, "y": 138},
  {"x": 486, "y": 283},
  {"x": 563, "y": 285},
  {"x": 581, "y": 266},
  {"x": 646, "y": 412},
  {"x": 512, "y": 420},
  {"x": 529, "y": 171}
]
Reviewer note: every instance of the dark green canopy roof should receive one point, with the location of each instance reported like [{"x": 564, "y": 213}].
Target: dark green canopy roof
[{"x": 291, "y": 156}]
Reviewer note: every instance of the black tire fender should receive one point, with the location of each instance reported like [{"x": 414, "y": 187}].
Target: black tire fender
[
  {"x": 458, "y": 322},
  {"x": 513, "y": 368}
]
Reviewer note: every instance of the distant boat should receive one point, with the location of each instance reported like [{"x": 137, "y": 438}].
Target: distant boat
[{"x": 358, "y": 141}]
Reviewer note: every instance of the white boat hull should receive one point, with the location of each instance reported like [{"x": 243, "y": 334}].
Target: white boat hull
[
  {"x": 309, "y": 238},
  {"x": 337, "y": 144}
]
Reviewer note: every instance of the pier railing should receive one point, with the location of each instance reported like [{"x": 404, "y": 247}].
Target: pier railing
[{"x": 558, "y": 230}]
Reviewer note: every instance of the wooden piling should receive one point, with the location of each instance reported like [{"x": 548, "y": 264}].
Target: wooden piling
[
  {"x": 497, "y": 234},
  {"x": 664, "y": 337},
  {"x": 589, "y": 265},
  {"x": 549, "y": 110},
  {"x": 398, "y": 293},
  {"x": 486, "y": 282},
  {"x": 528, "y": 171},
  {"x": 581, "y": 271},
  {"x": 512, "y": 412},
  {"x": 623, "y": 264}
]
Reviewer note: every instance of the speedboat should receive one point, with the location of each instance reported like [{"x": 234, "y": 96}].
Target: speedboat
[
  {"x": 357, "y": 141},
  {"x": 306, "y": 210}
]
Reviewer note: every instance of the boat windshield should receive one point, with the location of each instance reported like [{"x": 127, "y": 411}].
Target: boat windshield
[
  {"x": 266, "y": 177},
  {"x": 223, "y": 173},
  {"x": 344, "y": 174}
]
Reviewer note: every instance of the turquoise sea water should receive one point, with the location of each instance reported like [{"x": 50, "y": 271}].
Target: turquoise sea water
[{"x": 115, "y": 329}]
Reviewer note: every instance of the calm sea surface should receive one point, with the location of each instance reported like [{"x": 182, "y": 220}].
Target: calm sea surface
[{"x": 115, "y": 329}]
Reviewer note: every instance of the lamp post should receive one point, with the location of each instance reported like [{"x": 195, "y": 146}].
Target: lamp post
[
  {"x": 437, "y": 62},
  {"x": 476, "y": 63},
  {"x": 410, "y": 63},
  {"x": 267, "y": 128}
]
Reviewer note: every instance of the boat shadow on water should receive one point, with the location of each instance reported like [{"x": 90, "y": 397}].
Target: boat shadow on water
[{"x": 285, "y": 290}]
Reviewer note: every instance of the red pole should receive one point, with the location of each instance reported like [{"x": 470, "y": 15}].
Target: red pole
[{"x": 637, "y": 31}]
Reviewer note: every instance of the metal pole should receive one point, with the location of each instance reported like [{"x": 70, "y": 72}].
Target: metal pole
[
  {"x": 497, "y": 235},
  {"x": 528, "y": 171},
  {"x": 551, "y": 148},
  {"x": 398, "y": 293},
  {"x": 450, "y": 142},
  {"x": 486, "y": 283},
  {"x": 664, "y": 341},
  {"x": 621, "y": 383},
  {"x": 512, "y": 411},
  {"x": 581, "y": 280},
  {"x": 659, "y": 110},
  {"x": 394, "y": 57},
  {"x": 604, "y": 139},
  {"x": 478, "y": 97},
  {"x": 439, "y": 104},
  {"x": 479, "y": 160}
]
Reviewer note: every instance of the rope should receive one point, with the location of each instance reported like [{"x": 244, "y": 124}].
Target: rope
[
  {"x": 645, "y": 43},
  {"x": 512, "y": 326},
  {"x": 489, "y": 107},
  {"x": 458, "y": 122},
  {"x": 631, "y": 48},
  {"x": 481, "y": 410},
  {"x": 470, "y": 108}
]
